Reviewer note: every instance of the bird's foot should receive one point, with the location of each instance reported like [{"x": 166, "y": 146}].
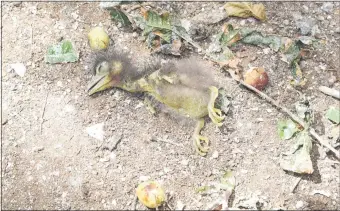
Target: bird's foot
[
  {"x": 215, "y": 114},
  {"x": 150, "y": 106},
  {"x": 200, "y": 142}
]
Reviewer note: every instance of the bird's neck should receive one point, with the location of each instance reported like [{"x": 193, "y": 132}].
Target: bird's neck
[{"x": 145, "y": 84}]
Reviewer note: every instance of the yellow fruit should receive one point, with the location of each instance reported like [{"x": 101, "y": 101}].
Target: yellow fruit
[
  {"x": 98, "y": 38},
  {"x": 256, "y": 77},
  {"x": 151, "y": 194}
]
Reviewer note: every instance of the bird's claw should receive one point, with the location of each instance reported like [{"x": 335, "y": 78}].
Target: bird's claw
[
  {"x": 215, "y": 114},
  {"x": 200, "y": 148}
]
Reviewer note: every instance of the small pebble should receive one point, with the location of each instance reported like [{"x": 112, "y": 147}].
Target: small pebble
[
  {"x": 134, "y": 34},
  {"x": 266, "y": 51},
  {"x": 185, "y": 162},
  {"x": 59, "y": 83},
  {"x": 215, "y": 155},
  {"x": 286, "y": 22},
  {"x": 299, "y": 204}
]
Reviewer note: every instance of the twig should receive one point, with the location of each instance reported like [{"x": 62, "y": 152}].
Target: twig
[
  {"x": 293, "y": 116},
  {"x": 296, "y": 184},
  {"x": 324, "y": 143},
  {"x": 43, "y": 113},
  {"x": 328, "y": 91}
]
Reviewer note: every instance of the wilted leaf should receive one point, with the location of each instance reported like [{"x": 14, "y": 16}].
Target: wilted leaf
[
  {"x": 300, "y": 161},
  {"x": 303, "y": 110},
  {"x": 227, "y": 185},
  {"x": 258, "y": 39},
  {"x": 157, "y": 21},
  {"x": 222, "y": 101},
  {"x": 164, "y": 26},
  {"x": 287, "y": 129},
  {"x": 229, "y": 35},
  {"x": 333, "y": 114},
  {"x": 118, "y": 15},
  {"x": 180, "y": 31},
  {"x": 245, "y": 10},
  {"x": 291, "y": 51},
  {"x": 307, "y": 40},
  {"x": 298, "y": 79},
  {"x": 98, "y": 39},
  {"x": 62, "y": 52}
]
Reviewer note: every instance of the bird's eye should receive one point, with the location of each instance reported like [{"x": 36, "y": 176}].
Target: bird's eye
[{"x": 102, "y": 68}]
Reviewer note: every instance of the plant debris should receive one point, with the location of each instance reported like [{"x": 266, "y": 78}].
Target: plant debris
[
  {"x": 119, "y": 15},
  {"x": 287, "y": 129},
  {"x": 299, "y": 160},
  {"x": 63, "y": 52},
  {"x": 245, "y": 10},
  {"x": 333, "y": 114}
]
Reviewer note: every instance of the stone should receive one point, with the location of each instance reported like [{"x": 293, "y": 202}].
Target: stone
[
  {"x": 327, "y": 7},
  {"x": 109, "y": 5},
  {"x": 286, "y": 22},
  {"x": 299, "y": 205}
]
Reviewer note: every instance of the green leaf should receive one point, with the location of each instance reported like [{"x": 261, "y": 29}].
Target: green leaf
[
  {"x": 258, "y": 39},
  {"x": 299, "y": 161},
  {"x": 157, "y": 21},
  {"x": 165, "y": 24},
  {"x": 118, "y": 15},
  {"x": 287, "y": 129},
  {"x": 333, "y": 114},
  {"x": 61, "y": 53}
]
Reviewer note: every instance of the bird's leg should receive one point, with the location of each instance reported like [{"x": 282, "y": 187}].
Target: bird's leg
[
  {"x": 215, "y": 114},
  {"x": 197, "y": 138},
  {"x": 150, "y": 105}
]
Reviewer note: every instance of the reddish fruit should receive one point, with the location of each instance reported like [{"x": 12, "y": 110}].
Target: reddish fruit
[{"x": 256, "y": 77}]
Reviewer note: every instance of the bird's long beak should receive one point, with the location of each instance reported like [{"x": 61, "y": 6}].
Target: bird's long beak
[{"x": 100, "y": 83}]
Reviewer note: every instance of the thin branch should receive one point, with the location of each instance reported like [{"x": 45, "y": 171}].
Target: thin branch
[
  {"x": 324, "y": 143},
  {"x": 328, "y": 91},
  {"x": 296, "y": 184},
  {"x": 43, "y": 113}
]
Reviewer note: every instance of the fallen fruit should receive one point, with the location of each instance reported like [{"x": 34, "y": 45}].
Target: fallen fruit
[
  {"x": 98, "y": 38},
  {"x": 151, "y": 194},
  {"x": 256, "y": 77}
]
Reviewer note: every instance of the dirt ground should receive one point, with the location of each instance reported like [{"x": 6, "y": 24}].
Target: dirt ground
[{"x": 50, "y": 162}]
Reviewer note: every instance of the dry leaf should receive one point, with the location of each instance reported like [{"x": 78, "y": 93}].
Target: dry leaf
[{"x": 245, "y": 10}]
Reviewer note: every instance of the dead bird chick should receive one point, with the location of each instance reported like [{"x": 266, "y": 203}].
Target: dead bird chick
[{"x": 185, "y": 86}]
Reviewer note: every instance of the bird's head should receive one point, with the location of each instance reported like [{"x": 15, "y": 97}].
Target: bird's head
[
  {"x": 108, "y": 74},
  {"x": 110, "y": 69}
]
